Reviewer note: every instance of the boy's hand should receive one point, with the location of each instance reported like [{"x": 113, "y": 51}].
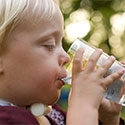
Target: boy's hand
[
  {"x": 88, "y": 84},
  {"x": 109, "y": 112},
  {"x": 88, "y": 88}
]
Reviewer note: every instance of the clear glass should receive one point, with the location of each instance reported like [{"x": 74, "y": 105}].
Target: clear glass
[{"x": 116, "y": 91}]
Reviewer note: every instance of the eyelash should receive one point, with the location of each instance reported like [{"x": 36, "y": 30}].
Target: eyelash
[{"x": 50, "y": 47}]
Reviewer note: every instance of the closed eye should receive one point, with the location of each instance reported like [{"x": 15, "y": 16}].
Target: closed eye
[{"x": 50, "y": 47}]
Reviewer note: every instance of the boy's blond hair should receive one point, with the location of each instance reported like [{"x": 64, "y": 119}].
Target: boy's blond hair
[{"x": 12, "y": 11}]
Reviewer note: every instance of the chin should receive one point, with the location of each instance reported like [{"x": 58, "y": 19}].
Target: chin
[{"x": 54, "y": 100}]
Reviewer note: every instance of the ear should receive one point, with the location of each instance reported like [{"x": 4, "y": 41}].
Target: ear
[{"x": 1, "y": 65}]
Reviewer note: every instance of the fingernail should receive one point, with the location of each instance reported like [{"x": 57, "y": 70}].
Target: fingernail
[
  {"x": 100, "y": 50},
  {"x": 112, "y": 57},
  {"x": 123, "y": 70}
]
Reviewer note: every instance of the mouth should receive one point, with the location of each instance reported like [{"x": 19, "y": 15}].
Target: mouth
[
  {"x": 61, "y": 78},
  {"x": 67, "y": 80},
  {"x": 60, "y": 83}
]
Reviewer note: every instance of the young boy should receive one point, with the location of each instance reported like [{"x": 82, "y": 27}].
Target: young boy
[{"x": 32, "y": 65}]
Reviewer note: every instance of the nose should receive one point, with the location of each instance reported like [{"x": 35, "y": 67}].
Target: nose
[{"x": 65, "y": 58}]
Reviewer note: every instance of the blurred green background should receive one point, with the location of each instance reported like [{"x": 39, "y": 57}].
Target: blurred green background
[{"x": 99, "y": 22}]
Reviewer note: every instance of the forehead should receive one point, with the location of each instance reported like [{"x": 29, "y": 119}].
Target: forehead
[{"x": 40, "y": 26}]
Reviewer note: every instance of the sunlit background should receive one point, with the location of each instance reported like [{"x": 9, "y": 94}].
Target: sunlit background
[{"x": 99, "y": 22}]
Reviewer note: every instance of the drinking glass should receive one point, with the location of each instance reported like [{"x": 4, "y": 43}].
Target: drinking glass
[{"x": 116, "y": 91}]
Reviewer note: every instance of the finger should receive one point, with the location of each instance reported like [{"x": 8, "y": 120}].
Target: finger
[
  {"x": 112, "y": 77},
  {"x": 77, "y": 61},
  {"x": 92, "y": 61},
  {"x": 102, "y": 70},
  {"x": 123, "y": 63}
]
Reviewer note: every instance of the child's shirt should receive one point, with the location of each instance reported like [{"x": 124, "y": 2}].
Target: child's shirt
[
  {"x": 15, "y": 115},
  {"x": 57, "y": 116}
]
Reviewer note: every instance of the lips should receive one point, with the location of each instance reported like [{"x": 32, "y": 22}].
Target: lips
[
  {"x": 67, "y": 80},
  {"x": 60, "y": 78},
  {"x": 60, "y": 83}
]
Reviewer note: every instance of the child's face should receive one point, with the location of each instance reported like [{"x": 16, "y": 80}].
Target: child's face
[{"x": 34, "y": 62}]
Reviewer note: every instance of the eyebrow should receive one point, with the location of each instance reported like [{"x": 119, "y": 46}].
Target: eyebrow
[{"x": 56, "y": 33}]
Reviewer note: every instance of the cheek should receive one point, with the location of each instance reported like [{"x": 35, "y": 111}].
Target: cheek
[
  {"x": 51, "y": 74},
  {"x": 47, "y": 81},
  {"x": 48, "y": 85}
]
